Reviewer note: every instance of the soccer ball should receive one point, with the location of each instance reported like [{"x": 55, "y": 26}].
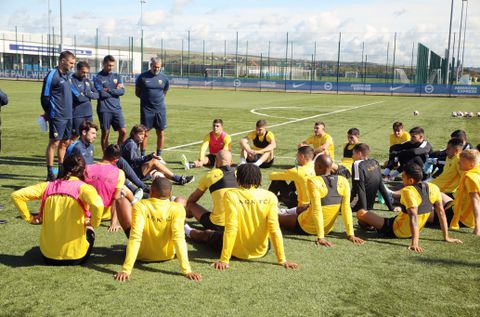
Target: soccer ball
[
  {"x": 416, "y": 113},
  {"x": 460, "y": 114},
  {"x": 454, "y": 114},
  {"x": 470, "y": 114},
  {"x": 478, "y": 114}
]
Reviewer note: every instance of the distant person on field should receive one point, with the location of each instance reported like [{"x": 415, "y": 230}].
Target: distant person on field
[
  {"x": 329, "y": 195},
  {"x": 152, "y": 87},
  {"x": 418, "y": 200},
  {"x": 3, "y": 102},
  {"x": 85, "y": 92},
  {"x": 147, "y": 165},
  {"x": 251, "y": 217},
  {"x": 217, "y": 181},
  {"x": 214, "y": 141},
  {"x": 414, "y": 151},
  {"x": 66, "y": 236},
  {"x": 321, "y": 141},
  {"x": 57, "y": 102},
  {"x": 264, "y": 144},
  {"x": 467, "y": 201},
  {"x": 155, "y": 231},
  {"x": 110, "y": 87}
]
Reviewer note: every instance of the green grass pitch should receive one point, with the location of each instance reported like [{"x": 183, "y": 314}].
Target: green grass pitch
[{"x": 379, "y": 278}]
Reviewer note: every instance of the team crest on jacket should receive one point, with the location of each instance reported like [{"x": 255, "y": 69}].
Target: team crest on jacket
[
  {"x": 115, "y": 81},
  {"x": 87, "y": 83},
  {"x": 160, "y": 81}
]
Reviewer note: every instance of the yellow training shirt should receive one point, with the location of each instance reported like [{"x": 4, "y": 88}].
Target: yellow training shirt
[
  {"x": 227, "y": 141},
  {"x": 157, "y": 233},
  {"x": 317, "y": 219},
  {"x": 299, "y": 176},
  {"x": 251, "y": 216},
  {"x": 217, "y": 216},
  {"x": 63, "y": 233},
  {"x": 410, "y": 198},
  {"x": 449, "y": 180},
  {"x": 463, "y": 209},
  {"x": 318, "y": 141},
  {"x": 253, "y": 134},
  {"x": 404, "y": 137}
]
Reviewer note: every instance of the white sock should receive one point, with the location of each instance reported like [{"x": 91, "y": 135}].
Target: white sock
[
  {"x": 289, "y": 211},
  {"x": 187, "y": 230},
  {"x": 242, "y": 161},
  {"x": 258, "y": 163}
]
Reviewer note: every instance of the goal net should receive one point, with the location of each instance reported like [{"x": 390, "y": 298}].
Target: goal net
[
  {"x": 400, "y": 76},
  {"x": 351, "y": 74},
  {"x": 435, "y": 76}
]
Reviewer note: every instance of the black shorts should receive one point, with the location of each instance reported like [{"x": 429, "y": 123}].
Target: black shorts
[
  {"x": 208, "y": 224},
  {"x": 387, "y": 229},
  {"x": 264, "y": 164},
  {"x": 211, "y": 159},
  {"x": 215, "y": 240},
  {"x": 76, "y": 122},
  {"x": 157, "y": 120},
  {"x": 448, "y": 214},
  {"x": 114, "y": 119},
  {"x": 298, "y": 229},
  {"x": 91, "y": 241},
  {"x": 60, "y": 129}
]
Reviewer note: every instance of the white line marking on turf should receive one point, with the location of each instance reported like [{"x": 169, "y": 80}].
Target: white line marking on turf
[
  {"x": 254, "y": 111},
  {"x": 284, "y": 123}
]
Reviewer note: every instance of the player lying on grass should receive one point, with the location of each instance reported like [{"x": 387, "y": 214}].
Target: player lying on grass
[
  {"x": 147, "y": 165},
  {"x": 251, "y": 217},
  {"x": 321, "y": 141},
  {"x": 298, "y": 177},
  {"x": 414, "y": 151},
  {"x": 218, "y": 181},
  {"x": 264, "y": 144},
  {"x": 418, "y": 199},
  {"x": 467, "y": 202},
  {"x": 67, "y": 236},
  {"x": 329, "y": 195},
  {"x": 214, "y": 141},
  {"x": 155, "y": 230},
  {"x": 366, "y": 180}
]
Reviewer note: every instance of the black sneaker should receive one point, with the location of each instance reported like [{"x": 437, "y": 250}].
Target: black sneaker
[
  {"x": 50, "y": 177},
  {"x": 185, "y": 180}
]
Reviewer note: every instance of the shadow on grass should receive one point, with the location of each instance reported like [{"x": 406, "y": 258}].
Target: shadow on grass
[
  {"x": 18, "y": 176},
  {"x": 14, "y": 187},
  {"x": 448, "y": 262},
  {"x": 32, "y": 257},
  {"x": 27, "y": 161}
]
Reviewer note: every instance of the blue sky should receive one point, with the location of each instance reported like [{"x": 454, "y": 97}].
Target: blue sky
[{"x": 371, "y": 21}]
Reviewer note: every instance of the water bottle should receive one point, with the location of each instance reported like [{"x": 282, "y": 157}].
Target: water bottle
[{"x": 42, "y": 123}]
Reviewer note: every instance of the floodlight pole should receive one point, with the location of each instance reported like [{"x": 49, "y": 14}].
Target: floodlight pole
[
  {"x": 448, "y": 48},
  {"x": 464, "y": 34},
  {"x": 459, "y": 42},
  {"x": 61, "y": 26},
  {"x": 141, "y": 29}
]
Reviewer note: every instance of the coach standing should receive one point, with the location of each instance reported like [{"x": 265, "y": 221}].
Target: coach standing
[
  {"x": 56, "y": 100},
  {"x": 110, "y": 87},
  {"x": 152, "y": 87},
  {"x": 3, "y": 102}
]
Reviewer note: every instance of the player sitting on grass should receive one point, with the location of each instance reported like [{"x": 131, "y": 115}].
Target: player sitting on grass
[
  {"x": 449, "y": 179},
  {"x": 414, "y": 151},
  {"x": 67, "y": 236},
  {"x": 109, "y": 182},
  {"x": 321, "y": 141},
  {"x": 251, "y": 217},
  {"x": 84, "y": 146},
  {"x": 298, "y": 177},
  {"x": 353, "y": 138},
  {"x": 467, "y": 202},
  {"x": 418, "y": 199},
  {"x": 329, "y": 195},
  {"x": 366, "y": 180},
  {"x": 218, "y": 181},
  {"x": 264, "y": 144},
  {"x": 155, "y": 230},
  {"x": 147, "y": 165},
  {"x": 399, "y": 135},
  {"x": 215, "y": 141}
]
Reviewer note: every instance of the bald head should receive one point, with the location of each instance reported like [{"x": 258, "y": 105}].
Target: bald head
[
  {"x": 323, "y": 164},
  {"x": 161, "y": 188},
  {"x": 224, "y": 158}
]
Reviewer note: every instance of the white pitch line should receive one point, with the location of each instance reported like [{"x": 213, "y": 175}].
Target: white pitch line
[
  {"x": 254, "y": 111},
  {"x": 284, "y": 123}
]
